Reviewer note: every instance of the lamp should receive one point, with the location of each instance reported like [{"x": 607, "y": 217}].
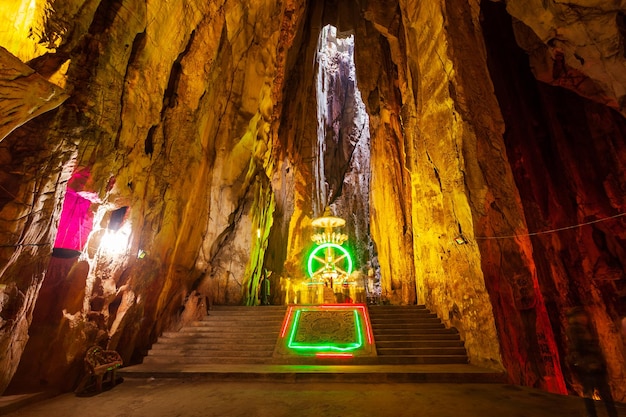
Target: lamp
[{"x": 460, "y": 240}]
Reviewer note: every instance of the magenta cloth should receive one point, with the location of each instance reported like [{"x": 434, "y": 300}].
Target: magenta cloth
[{"x": 76, "y": 222}]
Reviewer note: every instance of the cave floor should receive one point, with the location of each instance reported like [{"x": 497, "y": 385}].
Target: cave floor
[{"x": 359, "y": 395}]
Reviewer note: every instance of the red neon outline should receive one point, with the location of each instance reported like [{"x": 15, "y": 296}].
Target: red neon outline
[
  {"x": 368, "y": 326},
  {"x": 334, "y": 355},
  {"x": 361, "y": 307},
  {"x": 345, "y": 305},
  {"x": 285, "y": 324}
]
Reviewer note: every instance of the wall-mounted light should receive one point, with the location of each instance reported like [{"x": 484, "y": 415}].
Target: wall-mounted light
[
  {"x": 115, "y": 242},
  {"x": 460, "y": 240}
]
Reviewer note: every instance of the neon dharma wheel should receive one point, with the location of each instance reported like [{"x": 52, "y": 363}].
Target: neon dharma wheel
[{"x": 329, "y": 258}]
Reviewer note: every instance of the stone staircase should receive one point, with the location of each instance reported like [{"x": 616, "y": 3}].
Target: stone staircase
[
  {"x": 227, "y": 335},
  {"x": 238, "y": 343},
  {"x": 404, "y": 335},
  {"x": 414, "y": 335}
]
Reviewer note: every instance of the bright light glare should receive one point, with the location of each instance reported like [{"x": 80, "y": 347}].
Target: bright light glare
[{"x": 116, "y": 242}]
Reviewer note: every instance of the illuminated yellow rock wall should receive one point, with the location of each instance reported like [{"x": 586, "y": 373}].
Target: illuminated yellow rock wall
[
  {"x": 24, "y": 32},
  {"x": 170, "y": 111},
  {"x": 444, "y": 177}
]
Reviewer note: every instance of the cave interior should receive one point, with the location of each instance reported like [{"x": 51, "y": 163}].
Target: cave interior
[{"x": 159, "y": 156}]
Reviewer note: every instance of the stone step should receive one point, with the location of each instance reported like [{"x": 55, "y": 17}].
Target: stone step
[
  {"x": 385, "y": 311},
  {"x": 247, "y": 309},
  {"x": 248, "y": 340},
  {"x": 259, "y": 315},
  {"x": 420, "y": 351},
  {"x": 233, "y": 327},
  {"x": 428, "y": 343},
  {"x": 421, "y": 360},
  {"x": 409, "y": 326},
  {"x": 185, "y": 351},
  {"x": 239, "y": 318},
  {"x": 221, "y": 334},
  {"x": 213, "y": 346},
  {"x": 204, "y": 360},
  {"x": 440, "y": 335},
  {"x": 230, "y": 329},
  {"x": 398, "y": 311},
  {"x": 246, "y": 313},
  {"x": 205, "y": 337},
  {"x": 247, "y": 335},
  {"x": 408, "y": 332},
  {"x": 404, "y": 317},
  {"x": 248, "y": 323},
  {"x": 227, "y": 334},
  {"x": 388, "y": 307},
  {"x": 413, "y": 335}
]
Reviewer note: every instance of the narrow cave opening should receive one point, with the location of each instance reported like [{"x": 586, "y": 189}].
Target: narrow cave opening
[{"x": 341, "y": 160}]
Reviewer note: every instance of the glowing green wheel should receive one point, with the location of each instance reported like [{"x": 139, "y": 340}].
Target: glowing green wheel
[{"x": 329, "y": 258}]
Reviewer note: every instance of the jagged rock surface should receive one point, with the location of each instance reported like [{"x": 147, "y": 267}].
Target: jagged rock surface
[
  {"x": 578, "y": 45},
  {"x": 24, "y": 94}
]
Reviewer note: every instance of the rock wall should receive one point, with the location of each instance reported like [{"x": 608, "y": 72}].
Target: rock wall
[
  {"x": 379, "y": 73},
  {"x": 173, "y": 123},
  {"x": 566, "y": 152},
  {"x": 449, "y": 188},
  {"x": 510, "y": 275},
  {"x": 27, "y": 202},
  {"x": 578, "y": 45}
]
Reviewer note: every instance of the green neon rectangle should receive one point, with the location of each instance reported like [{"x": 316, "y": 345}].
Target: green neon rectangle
[{"x": 325, "y": 347}]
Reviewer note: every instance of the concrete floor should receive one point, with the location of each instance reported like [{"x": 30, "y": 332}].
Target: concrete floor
[{"x": 136, "y": 397}]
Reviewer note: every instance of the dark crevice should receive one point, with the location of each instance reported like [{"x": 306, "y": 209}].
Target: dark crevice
[
  {"x": 169, "y": 97},
  {"x": 139, "y": 43},
  {"x": 117, "y": 218},
  {"x": 438, "y": 178},
  {"x": 149, "y": 142},
  {"x": 620, "y": 19}
]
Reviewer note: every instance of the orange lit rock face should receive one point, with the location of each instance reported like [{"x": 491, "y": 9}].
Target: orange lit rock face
[
  {"x": 576, "y": 45},
  {"x": 568, "y": 133},
  {"x": 202, "y": 119}
]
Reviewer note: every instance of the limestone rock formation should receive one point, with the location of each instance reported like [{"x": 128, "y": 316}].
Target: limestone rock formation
[
  {"x": 25, "y": 94},
  {"x": 180, "y": 172},
  {"x": 578, "y": 45}
]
